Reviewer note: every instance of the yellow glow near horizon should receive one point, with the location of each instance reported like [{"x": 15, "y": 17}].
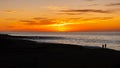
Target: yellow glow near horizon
[
  {"x": 61, "y": 29},
  {"x": 61, "y": 26}
]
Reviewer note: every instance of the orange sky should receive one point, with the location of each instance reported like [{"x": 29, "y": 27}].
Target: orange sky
[{"x": 59, "y": 15}]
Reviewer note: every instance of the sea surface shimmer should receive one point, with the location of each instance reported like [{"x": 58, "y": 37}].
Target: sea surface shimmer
[{"x": 95, "y": 39}]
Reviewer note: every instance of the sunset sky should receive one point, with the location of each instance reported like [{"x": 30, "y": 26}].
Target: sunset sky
[{"x": 59, "y": 15}]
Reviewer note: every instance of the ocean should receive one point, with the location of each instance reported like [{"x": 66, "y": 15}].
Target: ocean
[{"x": 92, "y": 39}]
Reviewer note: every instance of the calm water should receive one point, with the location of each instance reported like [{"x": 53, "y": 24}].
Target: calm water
[{"x": 112, "y": 39}]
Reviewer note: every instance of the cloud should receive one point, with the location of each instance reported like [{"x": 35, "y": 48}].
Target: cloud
[
  {"x": 29, "y": 21},
  {"x": 42, "y": 22},
  {"x": 37, "y": 22},
  {"x": 85, "y": 11},
  {"x": 113, "y": 4},
  {"x": 9, "y": 11},
  {"x": 97, "y": 18},
  {"x": 70, "y": 13},
  {"x": 39, "y": 18},
  {"x": 42, "y": 18},
  {"x": 91, "y": 18}
]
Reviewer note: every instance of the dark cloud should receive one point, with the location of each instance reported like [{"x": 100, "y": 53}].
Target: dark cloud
[
  {"x": 97, "y": 18},
  {"x": 86, "y": 11},
  {"x": 42, "y": 18},
  {"x": 29, "y": 21},
  {"x": 42, "y": 22},
  {"x": 9, "y": 11},
  {"x": 69, "y": 13},
  {"x": 92, "y": 18},
  {"x": 106, "y": 18},
  {"x": 75, "y": 18},
  {"x": 113, "y": 4},
  {"x": 39, "y": 18},
  {"x": 37, "y": 22}
]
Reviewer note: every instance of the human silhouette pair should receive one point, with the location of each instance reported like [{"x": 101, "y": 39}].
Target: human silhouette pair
[{"x": 104, "y": 46}]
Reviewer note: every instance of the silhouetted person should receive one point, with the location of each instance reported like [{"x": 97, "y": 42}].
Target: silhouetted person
[
  {"x": 102, "y": 46},
  {"x": 105, "y": 45}
]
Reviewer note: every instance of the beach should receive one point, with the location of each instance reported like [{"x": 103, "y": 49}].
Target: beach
[
  {"x": 18, "y": 53},
  {"x": 91, "y": 39}
]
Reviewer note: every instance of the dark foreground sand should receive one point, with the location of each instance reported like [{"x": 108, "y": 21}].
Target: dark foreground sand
[{"x": 18, "y": 53}]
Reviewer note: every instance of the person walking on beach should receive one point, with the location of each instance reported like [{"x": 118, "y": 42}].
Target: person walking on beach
[
  {"x": 105, "y": 45},
  {"x": 102, "y": 46}
]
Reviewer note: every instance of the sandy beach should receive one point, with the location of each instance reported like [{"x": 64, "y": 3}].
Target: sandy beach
[{"x": 18, "y": 53}]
